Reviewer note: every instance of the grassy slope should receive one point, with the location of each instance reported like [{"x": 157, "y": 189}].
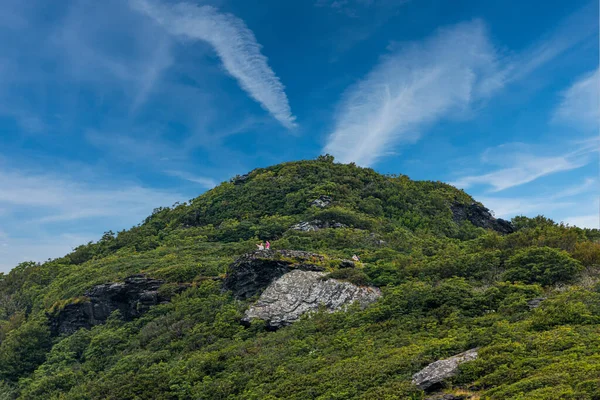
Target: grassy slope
[{"x": 446, "y": 288}]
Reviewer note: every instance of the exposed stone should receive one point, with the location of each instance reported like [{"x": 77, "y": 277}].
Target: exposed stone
[
  {"x": 299, "y": 292},
  {"x": 535, "y": 303},
  {"x": 480, "y": 216},
  {"x": 239, "y": 179},
  {"x": 322, "y": 201},
  {"x": 316, "y": 225},
  {"x": 446, "y": 396},
  {"x": 376, "y": 240},
  {"x": 347, "y": 264},
  {"x": 132, "y": 297},
  {"x": 253, "y": 272},
  {"x": 436, "y": 372}
]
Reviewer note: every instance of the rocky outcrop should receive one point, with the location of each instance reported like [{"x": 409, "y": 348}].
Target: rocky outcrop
[
  {"x": 322, "y": 201},
  {"x": 446, "y": 396},
  {"x": 239, "y": 179},
  {"x": 315, "y": 225},
  {"x": 132, "y": 297},
  {"x": 347, "y": 264},
  {"x": 480, "y": 216},
  {"x": 435, "y": 373},
  {"x": 299, "y": 292},
  {"x": 253, "y": 272},
  {"x": 535, "y": 303}
]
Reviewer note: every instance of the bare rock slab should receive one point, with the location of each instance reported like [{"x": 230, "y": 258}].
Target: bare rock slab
[
  {"x": 441, "y": 370},
  {"x": 299, "y": 292}
]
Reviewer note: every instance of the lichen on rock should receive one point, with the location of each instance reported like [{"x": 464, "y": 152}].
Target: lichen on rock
[
  {"x": 436, "y": 372},
  {"x": 299, "y": 292},
  {"x": 132, "y": 297}
]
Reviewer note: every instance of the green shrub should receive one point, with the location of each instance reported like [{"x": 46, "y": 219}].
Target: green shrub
[
  {"x": 352, "y": 275},
  {"x": 543, "y": 265}
]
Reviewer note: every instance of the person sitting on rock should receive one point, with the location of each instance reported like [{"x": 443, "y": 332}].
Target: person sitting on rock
[
  {"x": 355, "y": 258},
  {"x": 260, "y": 246},
  {"x": 267, "y": 245}
]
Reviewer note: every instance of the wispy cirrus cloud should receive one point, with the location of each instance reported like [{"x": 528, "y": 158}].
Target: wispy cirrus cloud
[
  {"x": 353, "y": 8},
  {"x": 235, "y": 44},
  {"x": 520, "y": 163},
  {"x": 591, "y": 221},
  {"x": 415, "y": 85},
  {"x": 428, "y": 81},
  {"x": 575, "y": 29},
  {"x": 580, "y": 105},
  {"x": 52, "y": 198},
  {"x": 47, "y": 214},
  {"x": 203, "y": 181},
  {"x": 558, "y": 205}
]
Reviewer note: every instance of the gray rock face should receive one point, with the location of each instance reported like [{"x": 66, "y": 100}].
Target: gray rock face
[
  {"x": 535, "y": 303},
  {"x": 445, "y": 396},
  {"x": 239, "y": 179},
  {"x": 132, "y": 297},
  {"x": 253, "y": 272},
  {"x": 315, "y": 225},
  {"x": 480, "y": 217},
  {"x": 438, "y": 371},
  {"x": 347, "y": 264},
  {"x": 299, "y": 292},
  {"x": 321, "y": 202}
]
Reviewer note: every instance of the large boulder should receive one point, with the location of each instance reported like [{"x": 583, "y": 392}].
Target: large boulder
[
  {"x": 132, "y": 297},
  {"x": 321, "y": 202},
  {"x": 436, "y": 372},
  {"x": 299, "y": 292},
  {"x": 251, "y": 273},
  {"x": 480, "y": 216}
]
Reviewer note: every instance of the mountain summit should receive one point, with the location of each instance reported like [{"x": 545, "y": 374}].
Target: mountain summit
[{"x": 374, "y": 287}]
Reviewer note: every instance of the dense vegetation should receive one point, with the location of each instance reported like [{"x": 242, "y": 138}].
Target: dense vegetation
[{"x": 448, "y": 286}]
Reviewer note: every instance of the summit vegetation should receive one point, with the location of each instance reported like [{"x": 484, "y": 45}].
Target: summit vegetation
[{"x": 529, "y": 300}]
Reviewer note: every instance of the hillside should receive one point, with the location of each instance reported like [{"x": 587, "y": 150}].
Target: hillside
[{"x": 160, "y": 311}]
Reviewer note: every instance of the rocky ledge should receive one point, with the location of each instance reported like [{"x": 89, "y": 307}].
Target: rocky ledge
[
  {"x": 435, "y": 373},
  {"x": 132, "y": 297},
  {"x": 299, "y": 292},
  {"x": 316, "y": 225},
  {"x": 253, "y": 272},
  {"x": 480, "y": 216}
]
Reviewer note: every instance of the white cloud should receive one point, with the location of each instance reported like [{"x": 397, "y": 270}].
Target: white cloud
[
  {"x": 572, "y": 31},
  {"x": 591, "y": 221},
  {"x": 418, "y": 84},
  {"x": 586, "y": 186},
  {"x": 203, "y": 181},
  {"x": 50, "y": 198},
  {"x": 557, "y": 204},
  {"x": 521, "y": 165},
  {"x": 580, "y": 104},
  {"x": 84, "y": 40},
  {"x": 235, "y": 44},
  {"x": 437, "y": 78},
  {"x": 508, "y": 207},
  {"x": 49, "y": 214},
  {"x": 14, "y": 250}
]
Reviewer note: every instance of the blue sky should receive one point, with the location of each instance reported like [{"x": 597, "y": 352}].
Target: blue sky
[{"x": 109, "y": 109}]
